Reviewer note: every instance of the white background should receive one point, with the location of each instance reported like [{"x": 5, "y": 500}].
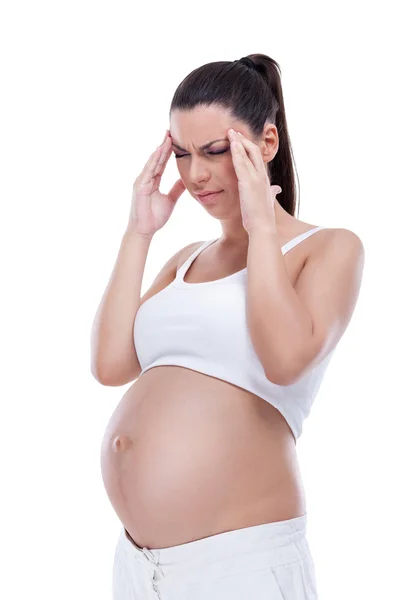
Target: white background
[{"x": 86, "y": 89}]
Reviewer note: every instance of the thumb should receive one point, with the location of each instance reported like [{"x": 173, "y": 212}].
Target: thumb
[
  {"x": 276, "y": 189},
  {"x": 177, "y": 190}
]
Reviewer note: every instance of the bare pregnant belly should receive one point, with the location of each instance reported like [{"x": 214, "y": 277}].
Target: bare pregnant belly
[{"x": 186, "y": 456}]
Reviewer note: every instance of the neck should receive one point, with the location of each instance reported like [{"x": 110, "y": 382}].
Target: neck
[{"x": 234, "y": 235}]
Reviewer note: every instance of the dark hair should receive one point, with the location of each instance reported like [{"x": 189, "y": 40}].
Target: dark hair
[{"x": 252, "y": 95}]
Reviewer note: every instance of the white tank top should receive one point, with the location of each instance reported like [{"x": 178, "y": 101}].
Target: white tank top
[{"x": 202, "y": 326}]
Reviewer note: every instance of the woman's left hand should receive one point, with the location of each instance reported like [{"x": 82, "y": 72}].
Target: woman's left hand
[{"x": 257, "y": 196}]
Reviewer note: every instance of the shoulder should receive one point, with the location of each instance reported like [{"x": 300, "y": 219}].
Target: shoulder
[
  {"x": 184, "y": 253},
  {"x": 332, "y": 237},
  {"x": 342, "y": 239},
  {"x": 337, "y": 246}
]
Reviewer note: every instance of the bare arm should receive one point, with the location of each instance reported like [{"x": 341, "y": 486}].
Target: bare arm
[{"x": 112, "y": 330}]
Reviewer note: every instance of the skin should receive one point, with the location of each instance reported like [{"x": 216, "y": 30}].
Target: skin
[
  {"x": 174, "y": 470},
  {"x": 200, "y": 170}
]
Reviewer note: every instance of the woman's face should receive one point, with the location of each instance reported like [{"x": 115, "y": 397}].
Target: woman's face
[{"x": 211, "y": 168}]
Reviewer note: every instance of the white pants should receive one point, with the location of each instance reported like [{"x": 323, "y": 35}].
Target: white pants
[{"x": 264, "y": 562}]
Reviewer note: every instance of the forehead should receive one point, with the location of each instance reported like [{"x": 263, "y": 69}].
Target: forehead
[{"x": 200, "y": 125}]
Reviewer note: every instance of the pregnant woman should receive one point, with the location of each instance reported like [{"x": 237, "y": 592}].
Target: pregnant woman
[{"x": 228, "y": 348}]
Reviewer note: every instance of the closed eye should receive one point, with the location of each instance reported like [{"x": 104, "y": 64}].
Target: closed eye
[{"x": 212, "y": 153}]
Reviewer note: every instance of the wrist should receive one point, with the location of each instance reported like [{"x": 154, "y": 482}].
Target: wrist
[
  {"x": 266, "y": 228},
  {"x": 129, "y": 233}
]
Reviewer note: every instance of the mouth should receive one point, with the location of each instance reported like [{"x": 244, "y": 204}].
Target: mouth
[{"x": 205, "y": 198}]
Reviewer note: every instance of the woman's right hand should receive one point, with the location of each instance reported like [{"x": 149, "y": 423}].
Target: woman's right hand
[{"x": 150, "y": 210}]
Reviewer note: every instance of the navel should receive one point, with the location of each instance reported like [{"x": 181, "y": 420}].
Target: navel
[{"x": 122, "y": 443}]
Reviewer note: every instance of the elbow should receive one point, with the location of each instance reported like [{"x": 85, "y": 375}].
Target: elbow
[
  {"x": 101, "y": 376},
  {"x": 282, "y": 378},
  {"x": 98, "y": 376},
  {"x": 284, "y": 375},
  {"x": 106, "y": 381},
  {"x": 290, "y": 373}
]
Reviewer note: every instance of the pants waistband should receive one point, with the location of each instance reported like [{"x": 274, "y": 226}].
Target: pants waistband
[{"x": 267, "y": 536}]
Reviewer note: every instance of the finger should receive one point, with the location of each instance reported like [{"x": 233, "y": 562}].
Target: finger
[
  {"x": 164, "y": 157},
  {"x": 252, "y": 151},
  {"x": 147, "y": 172},
  {"x": 156, "y": 164},
  {"x": 243, "y": 166},
  {"x": 176, "y": 190}
]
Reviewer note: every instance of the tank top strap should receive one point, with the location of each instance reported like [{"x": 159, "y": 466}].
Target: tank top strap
[
  {"x": 299, "y": 238},
  {"x": 180, "y": 273}
]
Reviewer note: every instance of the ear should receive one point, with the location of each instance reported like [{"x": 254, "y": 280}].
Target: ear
[{"x": 270, "y": 142}]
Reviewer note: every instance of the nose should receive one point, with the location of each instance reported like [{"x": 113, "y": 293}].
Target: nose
[{"x": 198, "y": 171}]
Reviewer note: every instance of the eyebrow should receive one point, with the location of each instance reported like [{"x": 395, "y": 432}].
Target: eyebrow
[{"x": 202, "y": 147}]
